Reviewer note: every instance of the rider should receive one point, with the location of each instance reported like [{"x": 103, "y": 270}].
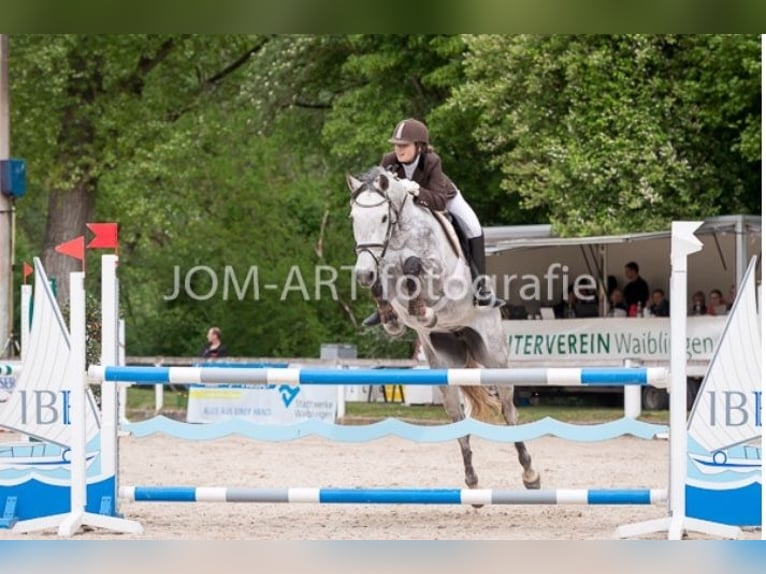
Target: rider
[{"x": 414, "y": 160}]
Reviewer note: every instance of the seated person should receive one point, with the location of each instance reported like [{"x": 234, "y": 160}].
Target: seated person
[
  {"x": 511, "y": 312},
  {"x": 659, "y": 307},
  {"x": 611, "y": 285},
  {"x": 717, "y": 305},
  {"x": 567, "y": 308},
  {"x": 587, "y": 303},
  {"x": 617, "y": 306},
  {"x": 698, "y": 304}
]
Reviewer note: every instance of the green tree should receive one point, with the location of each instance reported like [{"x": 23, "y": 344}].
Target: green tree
[
  {"x": 85, "y": 104},
  {"x": 229, "y": 152},
  {"x": 617, "y": 133}
]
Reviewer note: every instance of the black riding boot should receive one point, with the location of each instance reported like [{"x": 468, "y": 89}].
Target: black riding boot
[
  {"x": 372, "y": 320},
  {"x": 484, "y": 297}
]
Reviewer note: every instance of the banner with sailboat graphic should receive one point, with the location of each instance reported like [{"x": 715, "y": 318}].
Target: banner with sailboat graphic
[
  {"x": 39, "y": 407},
  {"x": 35, "y": 478},
  {"x": 724, "y": 481}
]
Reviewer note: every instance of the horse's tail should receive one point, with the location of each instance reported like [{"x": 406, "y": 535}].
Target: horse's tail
[{"x": 484, "y": 405}]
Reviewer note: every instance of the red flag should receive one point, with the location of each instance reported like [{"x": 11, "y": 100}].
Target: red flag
[
  {"x": 74, "y": 248},
  {"x": 105, "y": 235},
  {"x": 27, "y": 271}
]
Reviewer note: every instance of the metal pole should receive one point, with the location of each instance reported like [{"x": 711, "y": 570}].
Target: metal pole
[
  {"x": 6, "y": 210},
  {"x": 740, "y": 246}
]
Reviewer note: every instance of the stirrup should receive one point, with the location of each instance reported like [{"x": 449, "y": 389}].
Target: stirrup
[
  {"x": 487, "y": 299},
  {"x": 372, "y": 320}
]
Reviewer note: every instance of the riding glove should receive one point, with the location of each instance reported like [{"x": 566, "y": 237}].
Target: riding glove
[{"x": 412, "y": 187}]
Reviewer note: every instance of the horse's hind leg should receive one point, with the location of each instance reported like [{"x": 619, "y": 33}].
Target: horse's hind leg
[
  {"x": 444, "y": 350},
  {"x": 529, "y": 476},
  {"x": 455, "y": 412},
  {"x": 480, "y": 348}
]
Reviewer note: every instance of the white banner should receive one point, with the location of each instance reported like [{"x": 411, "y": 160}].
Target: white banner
[
  {"x": 607, "y": 339},
  {"x": 262, "y": 404}
]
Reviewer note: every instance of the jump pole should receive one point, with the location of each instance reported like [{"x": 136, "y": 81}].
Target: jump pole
[
  {"x": 593, "y": 376},
  {"x": 588, "y": 497}
]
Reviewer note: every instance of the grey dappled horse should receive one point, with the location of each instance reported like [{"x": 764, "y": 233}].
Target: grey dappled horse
[{"x": 406, "y": 257}]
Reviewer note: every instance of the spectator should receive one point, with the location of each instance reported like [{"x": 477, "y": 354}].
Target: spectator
[
  {"x": 717, "y": 304},
  {"x": 617, "y": 307},
  {"x": 636, "y": 290},
  {"x": 698, "y": 304},
  {"x": 611, "y": 285},
  {"x": 567, "y": 308},
  {"x": 587, "y": 302},
  {"x": 660, "y": 307},
  {"x": 214, "y": 347},
  {"x": 732, "y": 296}
]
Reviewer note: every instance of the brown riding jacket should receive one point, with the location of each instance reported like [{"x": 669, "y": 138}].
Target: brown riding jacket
[{"x": 435, "y": 187}]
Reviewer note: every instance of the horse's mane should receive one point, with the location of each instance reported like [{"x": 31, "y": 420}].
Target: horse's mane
[{"x": 371, "y": 174}]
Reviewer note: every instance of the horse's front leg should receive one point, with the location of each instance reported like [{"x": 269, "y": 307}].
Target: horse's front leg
[
  {"x": 391, "y": 323},
  {"x": 416, "y": 304},
  {"x": 529, "y": 476},
  {"x": 455, "y": 412}
]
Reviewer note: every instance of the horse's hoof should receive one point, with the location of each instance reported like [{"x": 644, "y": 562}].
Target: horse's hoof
[
  {"x": 533, "y": 484},
  {"x": 394, "y": 328},
  {"x": 428, "y": 319},
  {"x": 473, "y": 483}
]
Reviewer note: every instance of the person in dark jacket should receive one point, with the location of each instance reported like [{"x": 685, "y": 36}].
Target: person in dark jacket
[
  {"x": 214, "y": 347},
  {"x": 660, "y": 306},
  {"x": 636, "y": 290},
  {"x": 413, "y": 159}
]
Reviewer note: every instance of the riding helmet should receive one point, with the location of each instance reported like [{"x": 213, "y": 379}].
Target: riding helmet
[{"x": 409, "y": 131}]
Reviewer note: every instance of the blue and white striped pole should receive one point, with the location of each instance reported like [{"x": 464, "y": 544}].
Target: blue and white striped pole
[
  {"x": 431, "y": 377},
  {"x": 392, "y": 495}
]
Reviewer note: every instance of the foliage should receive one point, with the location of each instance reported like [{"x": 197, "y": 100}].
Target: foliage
[
  {"x": 387, "y": 78},
  {"x": 229, "y": 152},
  {"x": 92, "y": 328},
  {"x": 619, "y": 133}
]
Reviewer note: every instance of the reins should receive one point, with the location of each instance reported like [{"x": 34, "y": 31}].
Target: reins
[{"x": 392, "y": 222}]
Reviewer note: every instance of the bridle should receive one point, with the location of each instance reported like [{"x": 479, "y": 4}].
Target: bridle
[{"x": 392, "y": 221}]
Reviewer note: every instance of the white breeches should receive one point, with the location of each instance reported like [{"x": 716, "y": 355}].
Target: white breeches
[{"x": 465, "y": 216}]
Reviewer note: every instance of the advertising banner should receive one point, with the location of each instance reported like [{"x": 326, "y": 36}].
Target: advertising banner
[
  {"x": 607, "y": 340},
  {"x": 263, "y": 404}
]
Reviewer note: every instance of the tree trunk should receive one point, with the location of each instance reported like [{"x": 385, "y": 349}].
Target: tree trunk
[{"x": 68, "y": 212}]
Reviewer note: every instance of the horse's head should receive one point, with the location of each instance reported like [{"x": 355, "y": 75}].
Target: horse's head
[{"x": 376, "y": 203}]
